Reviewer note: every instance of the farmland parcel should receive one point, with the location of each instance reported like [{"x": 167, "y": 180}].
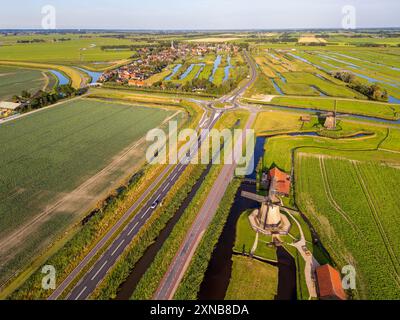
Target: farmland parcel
[{"x": 55, "y": 164}]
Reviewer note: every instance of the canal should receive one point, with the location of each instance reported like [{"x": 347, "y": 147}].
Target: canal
[{"x": 217, "y": 277}]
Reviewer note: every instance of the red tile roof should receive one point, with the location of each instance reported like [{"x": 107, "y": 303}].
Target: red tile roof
[
  {"x": 280, "y": 181},
  {"x": 329, "y": 283}
]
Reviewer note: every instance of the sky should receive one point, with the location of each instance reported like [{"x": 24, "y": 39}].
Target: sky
[{"x": 198, "y": 14}]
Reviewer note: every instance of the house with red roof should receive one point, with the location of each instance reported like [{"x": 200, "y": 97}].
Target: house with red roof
[
  {"x": 329, "y": 283},
  {"x": 280, "y": 182}
]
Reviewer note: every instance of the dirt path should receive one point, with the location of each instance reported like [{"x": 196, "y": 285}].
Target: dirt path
[{"x": 310, "y": 261}]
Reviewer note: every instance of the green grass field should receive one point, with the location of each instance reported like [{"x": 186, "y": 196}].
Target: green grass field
[
  {"x": 48, "y": 154},
  {"x": 14, "y": 80},
  {"x": 354, "y": 207},
  {"x": 77, "y": 50},
  {"x": 367, "y": 108},
  {"x": 252, "y": 280}
]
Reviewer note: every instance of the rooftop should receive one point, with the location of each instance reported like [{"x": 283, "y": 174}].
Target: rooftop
[{"x": 330, "y": 283}]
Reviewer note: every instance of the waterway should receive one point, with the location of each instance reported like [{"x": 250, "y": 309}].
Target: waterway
[
  {"x": 217, "y": 62},
  {"x": 315, "y": 134},
  {"x": 227, "y": 69},
  {"x": 62, "y": 79},
  {"x": 277, "y": 88},
  {"x": 128, "y": 287},
  {"x": 372, "y": 80},
  {"x": 281, "y": 77},
  {"x": 174, "y": 71},
  {"x": 190, "y": 69},
  {"x": 319, "y": 91},
  {"x": 186, "y": 73},
  {"x": 219, "y": 271},
  {"x": 93, "y": 74}
]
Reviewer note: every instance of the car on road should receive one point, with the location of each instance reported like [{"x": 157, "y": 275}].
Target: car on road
[{"x": 155, "y": 204}]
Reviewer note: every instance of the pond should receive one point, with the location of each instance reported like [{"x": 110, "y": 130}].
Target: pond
[{"x": 62, "y": 79}]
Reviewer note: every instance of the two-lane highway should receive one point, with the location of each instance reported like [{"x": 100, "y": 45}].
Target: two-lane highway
[
  {"x": 151, "y": 198},
  {"x": 91, "y": 279}
]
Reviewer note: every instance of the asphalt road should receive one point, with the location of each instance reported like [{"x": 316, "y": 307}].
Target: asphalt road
[
  {"x": 180, "y": 263},
  {"x": 91, "y": 279},
  {"x": 171, "y": 280}
]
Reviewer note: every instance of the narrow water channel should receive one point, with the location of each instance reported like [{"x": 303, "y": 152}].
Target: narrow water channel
[
  {"x": 219, "y": 271},
  {"x": 217, "y": 62},
  {"x": 174, "y": 71},
  {"x": 62, "y": 80},
  {"x": 128, "y": 287}
]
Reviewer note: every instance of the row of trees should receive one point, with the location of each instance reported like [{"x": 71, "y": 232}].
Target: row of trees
[
  {"x": 43, "y": 98},
  {"x": 374, "y": 91}
]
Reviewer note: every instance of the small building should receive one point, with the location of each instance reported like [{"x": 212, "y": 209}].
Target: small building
[
  {"x": 329, "y": 283},
  {"x": 305, "y": 118},
  {"x": 136, "y": 83},
  {"x": 280, "y": 182},
  {"x": 5, "y": 105},
  {"x": 330, "y": 121}
]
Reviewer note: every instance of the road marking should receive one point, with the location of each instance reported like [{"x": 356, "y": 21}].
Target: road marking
[
  {"x": 165, "y": 188},
  {"x": 83, "y": 290},
  {"x": 98, "y": 271},
  {"x": 173, "y": 177},
  {"x": 133, "y": 228},
  {"x": 119, "y": 246},
  {"x": 144, "y": 214}
]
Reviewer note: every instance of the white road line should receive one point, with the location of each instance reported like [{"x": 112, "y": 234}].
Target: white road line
[
  {"x": 144, "y": 214},
  {"x": 119, "y": 246},
  {"x": 83, "y": 290},
  {"x": 165, "y": 188},
  {"x": 98, "y": 271},
  {"x": 134, "y": 227},
  {"x": 173, "y": 177}
]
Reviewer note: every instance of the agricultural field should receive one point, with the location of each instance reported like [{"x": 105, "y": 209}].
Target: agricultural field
[
  {"x": 356, "y": 215},
  {"x": 61, "y": 161},
  {"x": 346, "y": 188},
  {"x": 14, "y": 80},
  {"x": 77, "y": 50}
]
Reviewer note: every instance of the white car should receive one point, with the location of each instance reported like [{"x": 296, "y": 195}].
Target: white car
[{"x": 155, "y": 204}]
